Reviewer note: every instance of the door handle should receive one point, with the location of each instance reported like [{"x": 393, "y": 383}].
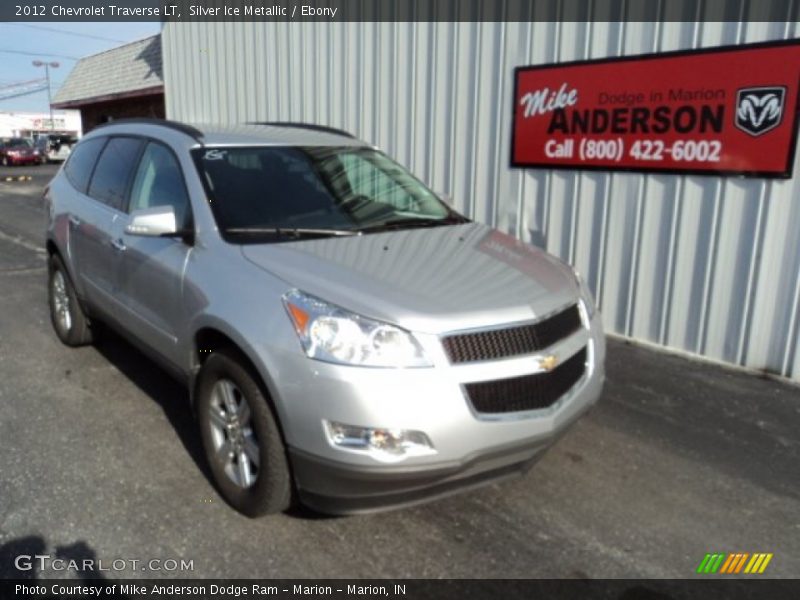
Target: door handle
[
  {"x": 118, "y": 245},
  {"x": 74, "y": 221}
]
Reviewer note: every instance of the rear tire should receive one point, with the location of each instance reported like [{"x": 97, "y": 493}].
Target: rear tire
[
  {"x": 66, "y": 314},
  {"x": 241, "y": 437}
]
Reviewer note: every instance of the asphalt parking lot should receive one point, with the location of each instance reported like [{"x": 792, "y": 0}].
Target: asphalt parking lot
[{"x": 99, "y": 459}]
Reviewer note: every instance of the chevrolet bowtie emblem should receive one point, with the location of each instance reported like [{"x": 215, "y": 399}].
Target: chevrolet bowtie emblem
[{"x": 549, "y": 362}]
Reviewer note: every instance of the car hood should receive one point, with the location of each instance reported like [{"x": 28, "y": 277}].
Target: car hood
[{"x": 427, "y": 279}]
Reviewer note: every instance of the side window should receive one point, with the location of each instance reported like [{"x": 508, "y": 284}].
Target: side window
[
  {"x": 81, "y": 162},
  {"x": 113, "y": 172},
  {"x": 159, "y": 182}
]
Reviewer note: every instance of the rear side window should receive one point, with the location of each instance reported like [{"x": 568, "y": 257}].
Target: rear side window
[
  {"x": 81, "y": 161},
  {"x": 113, "y": 173}
]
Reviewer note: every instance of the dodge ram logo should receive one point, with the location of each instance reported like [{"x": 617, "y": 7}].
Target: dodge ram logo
[{"x": 759, "y": 109}]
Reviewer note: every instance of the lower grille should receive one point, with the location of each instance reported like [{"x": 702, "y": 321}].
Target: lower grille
[{"x": 528, "y": 392}]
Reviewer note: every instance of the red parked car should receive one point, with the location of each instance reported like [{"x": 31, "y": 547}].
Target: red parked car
[{"x": 18, "y": 151}]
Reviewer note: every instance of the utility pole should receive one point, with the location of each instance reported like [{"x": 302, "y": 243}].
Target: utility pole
[{"x": 47, "y": 65}]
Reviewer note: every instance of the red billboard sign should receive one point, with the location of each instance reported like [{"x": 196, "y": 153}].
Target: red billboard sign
[{"x": 730, "y": 110}]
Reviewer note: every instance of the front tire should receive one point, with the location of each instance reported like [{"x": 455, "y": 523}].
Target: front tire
[
  {"x": 241, "y": 437},
  {"x": 66, "y": 315}
]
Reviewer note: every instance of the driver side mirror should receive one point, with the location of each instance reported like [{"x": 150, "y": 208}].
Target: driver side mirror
[{"x": 158, "y": 221}]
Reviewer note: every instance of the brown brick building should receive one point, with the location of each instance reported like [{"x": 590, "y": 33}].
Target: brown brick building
[{"x": 122, "y": 82}]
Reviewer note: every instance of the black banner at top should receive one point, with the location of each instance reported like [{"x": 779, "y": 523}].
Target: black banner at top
[{"x": 399, "y": 10}]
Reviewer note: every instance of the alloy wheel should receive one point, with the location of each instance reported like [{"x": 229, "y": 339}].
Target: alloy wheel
[
  {"x": 61, "y": 301},
  {"x": 235, "y": 442}
]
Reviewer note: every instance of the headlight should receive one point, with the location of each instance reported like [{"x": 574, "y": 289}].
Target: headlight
[
  {"x": 333, "y": 334},
  {"x": 586, "y": 296}
]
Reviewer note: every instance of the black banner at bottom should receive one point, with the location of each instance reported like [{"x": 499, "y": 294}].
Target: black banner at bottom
[{"x": 405, "y": 589}]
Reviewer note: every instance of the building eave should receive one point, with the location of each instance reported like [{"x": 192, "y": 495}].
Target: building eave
[{"x": 81, "y": 102}]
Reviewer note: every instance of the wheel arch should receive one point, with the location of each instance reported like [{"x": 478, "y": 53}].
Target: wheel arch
[
  {"x": 52, "y": 248},
  {"x": 214, "y": 336}
]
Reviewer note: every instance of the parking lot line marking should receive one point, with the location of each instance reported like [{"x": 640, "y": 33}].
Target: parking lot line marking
[
  {"x": 21, "y": 242},
  {"x": 21, "y": 270}
]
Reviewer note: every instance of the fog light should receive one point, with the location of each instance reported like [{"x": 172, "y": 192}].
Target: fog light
[{"x": 384, "y": 444}]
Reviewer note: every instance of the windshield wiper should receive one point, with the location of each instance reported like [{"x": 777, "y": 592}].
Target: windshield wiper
[
  {"x": 411, "y": 222},
  {"x": 296, "y": 232}
]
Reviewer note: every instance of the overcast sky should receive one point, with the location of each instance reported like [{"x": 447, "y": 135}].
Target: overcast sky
[{"x": 22, "y": 43}]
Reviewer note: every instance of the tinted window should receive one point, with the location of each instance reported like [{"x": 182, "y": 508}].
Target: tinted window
[
  {"x": 20, "y": 143},
  {"x": 81, "y": 161},
  {"x": 369, "y": 179},
  {"x": 159, "y": 182},
  {"x": 113, "y": 172},
  {"x": 312, "y": 187}
]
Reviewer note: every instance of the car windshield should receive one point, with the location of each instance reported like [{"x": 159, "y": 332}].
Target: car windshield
[
  {"x": 292, "y": 192},
  {"x": 18, "y": 143}
]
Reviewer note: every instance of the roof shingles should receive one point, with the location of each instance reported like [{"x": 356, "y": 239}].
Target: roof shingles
[{"x": 122, "y": 70}]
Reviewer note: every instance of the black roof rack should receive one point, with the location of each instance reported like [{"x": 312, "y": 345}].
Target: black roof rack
[
  {"x": 311, "y": 126},
  {"x": 192, "y": 132}
]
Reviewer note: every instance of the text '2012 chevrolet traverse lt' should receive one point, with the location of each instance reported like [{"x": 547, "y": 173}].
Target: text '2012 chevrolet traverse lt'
[{"x": 348, "y": 339}]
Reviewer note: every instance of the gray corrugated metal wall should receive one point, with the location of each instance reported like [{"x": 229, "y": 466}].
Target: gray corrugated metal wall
[{"x": 703, "y": 264}]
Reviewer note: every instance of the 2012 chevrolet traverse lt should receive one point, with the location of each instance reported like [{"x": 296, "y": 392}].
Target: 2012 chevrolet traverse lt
[{"x": 349, "y": 340}]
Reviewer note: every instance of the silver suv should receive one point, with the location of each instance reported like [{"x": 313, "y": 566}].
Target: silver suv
[{"x": 349, "y": 340}]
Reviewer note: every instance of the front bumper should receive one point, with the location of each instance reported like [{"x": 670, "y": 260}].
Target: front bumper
[
  {"x": 470, "y": 449},
  {"x": 343, "y": 489}
]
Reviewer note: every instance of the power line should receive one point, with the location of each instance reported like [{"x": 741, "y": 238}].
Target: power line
[
  {"x": 75, "y": 33},
  {"x": 30, "y": 82},
  {"x": 4, "y": 82},
  {"x": 23, "y": 89},
  {"x": 39, "y": 54}
]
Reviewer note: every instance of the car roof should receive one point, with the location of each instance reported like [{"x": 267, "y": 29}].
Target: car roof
[{"x": 248, "y": 134}]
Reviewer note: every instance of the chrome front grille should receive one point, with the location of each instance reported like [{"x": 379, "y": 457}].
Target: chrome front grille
[{"x": 512, "y": 341}]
